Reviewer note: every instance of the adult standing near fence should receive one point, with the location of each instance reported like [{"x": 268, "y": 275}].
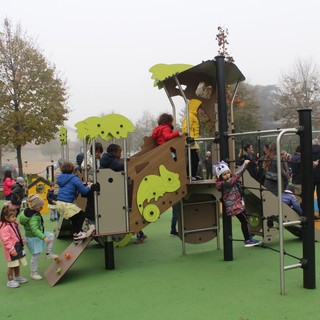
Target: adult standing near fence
[
  {"x": 316, "y": 168},
  {"x": 208, "y": 165}
]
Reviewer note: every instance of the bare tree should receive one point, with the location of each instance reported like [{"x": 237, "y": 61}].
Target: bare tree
[
  {"x": 299, "y": 88},
  {"x": 143, "y": 128}
]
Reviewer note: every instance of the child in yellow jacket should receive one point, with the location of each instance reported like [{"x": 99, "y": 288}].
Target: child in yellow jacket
[{"x": 194, "y": 105}]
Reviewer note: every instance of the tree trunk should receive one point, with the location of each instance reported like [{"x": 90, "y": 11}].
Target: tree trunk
[{"x": 19, "y": 160}]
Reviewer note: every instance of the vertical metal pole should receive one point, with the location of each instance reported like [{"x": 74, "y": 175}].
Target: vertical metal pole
[
  {"x": 182, "y": 229},
  {"x": 85, "y": 157},
  {"x": 95, "y": 194},
  {"x": 126, "y": 198},
  {"x": 218, "y": 223},
  {"x": 52, "y": 173},
  {"x": 63, "y": 159},
  {"x": 67, "y": 151},
  {"x": 280, "y": 208},
  {"x": 224, "y": 149},
  {"x": 109, "y": 253},
  {"x": 173, "y": 107},
  {"x": 188, "y": 125},
  {"x": 309, "y": 279}
]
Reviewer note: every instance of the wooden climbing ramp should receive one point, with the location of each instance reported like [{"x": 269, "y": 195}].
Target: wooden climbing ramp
[{"x": 65, "y": 261}]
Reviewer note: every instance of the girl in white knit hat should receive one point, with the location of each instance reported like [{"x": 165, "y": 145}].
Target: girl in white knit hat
[{"x": 232, "y": 197}]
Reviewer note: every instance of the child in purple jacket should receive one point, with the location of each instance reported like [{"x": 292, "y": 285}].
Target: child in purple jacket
[{"x": 232, "y": 197}]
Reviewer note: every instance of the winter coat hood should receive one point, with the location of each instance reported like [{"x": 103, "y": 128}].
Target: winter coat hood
[
  {"x": 64, "y": 178},
  {"x": 109, "y": 161},
  {"x": 163, "y": 133},
  {"x": 194, "y": 105},
  {"x": 26, "y": 215},
  {"x": 69, "y": 187},
  {"x": 33, "y": 223}
]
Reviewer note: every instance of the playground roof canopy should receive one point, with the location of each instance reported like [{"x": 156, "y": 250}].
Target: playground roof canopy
[{"x": 206, "y": 71}]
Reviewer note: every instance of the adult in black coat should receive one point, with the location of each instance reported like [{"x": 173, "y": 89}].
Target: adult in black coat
[
  {"x": 295, "y": 166},
  {"x": 316, "y": 169}
]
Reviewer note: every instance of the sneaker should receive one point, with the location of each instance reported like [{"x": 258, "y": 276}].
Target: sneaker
[
  {"x": 251, "y": 242},
  {"x": 90, "y": 230},
  {"x": 35, "y": 276},
  {"x": 21, "y": 279},
  {"x": 51, "y": 255},
  {"x": 13, "y": 284},
  {"x": 141, "y": 240},
  {"x": 174, "y": 233},
  {"x": 79, "y": 236}
]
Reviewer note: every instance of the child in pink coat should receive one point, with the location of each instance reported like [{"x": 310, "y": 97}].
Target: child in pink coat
[
  {"x": 8, "y": 182},
  {"x": 13, "y": 246}
]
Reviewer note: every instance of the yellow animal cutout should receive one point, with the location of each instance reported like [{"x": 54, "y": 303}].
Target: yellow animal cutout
[
  {"x": 153, "y": 187},
  {"x": 63, "y": 135},
  {"x": 107, "y": 127},
  {"x": 89, "y": 127},
  {"x": 162, "y": 71}
]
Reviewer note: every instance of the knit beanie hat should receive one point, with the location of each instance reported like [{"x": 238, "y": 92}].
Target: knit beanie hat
[
  {"x": 35, "y": 201},
  {"x": 20, "y": 180},
  {"x": 220, "y": 168}
]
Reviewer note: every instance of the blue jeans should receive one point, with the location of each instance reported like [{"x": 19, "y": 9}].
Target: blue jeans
[
  {"x": 140, "y": 235},
  {"x": 176, "y": 210}
]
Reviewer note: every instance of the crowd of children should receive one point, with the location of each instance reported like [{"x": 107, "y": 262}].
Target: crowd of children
[{"x": 36, "y": 239}]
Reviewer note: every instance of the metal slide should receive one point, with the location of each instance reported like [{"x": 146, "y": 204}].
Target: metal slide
[{"x": 262, "y": 208}]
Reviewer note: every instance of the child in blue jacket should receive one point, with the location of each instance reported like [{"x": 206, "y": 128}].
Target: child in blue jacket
[{"x": 69, "y": 188}]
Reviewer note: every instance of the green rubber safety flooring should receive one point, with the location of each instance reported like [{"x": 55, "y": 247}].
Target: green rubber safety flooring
[{"x": 154, "y": 281}]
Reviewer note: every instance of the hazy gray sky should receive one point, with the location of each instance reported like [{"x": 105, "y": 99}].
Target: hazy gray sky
[{"x": 105, "y": 48}]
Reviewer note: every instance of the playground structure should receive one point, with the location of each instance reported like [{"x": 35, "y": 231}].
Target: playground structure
[
  {"x": 155, "y": 178},
  {"x": 39, "y": 175}
]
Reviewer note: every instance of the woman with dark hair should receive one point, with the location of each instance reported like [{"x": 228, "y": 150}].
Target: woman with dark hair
[{"x": 8, "y": 182}]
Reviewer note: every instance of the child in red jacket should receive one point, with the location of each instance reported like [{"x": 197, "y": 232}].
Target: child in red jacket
[
  {"x": 162, "y": 133},
  {"x": 13, "y": 246},
  {"x": 164, "y": 130}
]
